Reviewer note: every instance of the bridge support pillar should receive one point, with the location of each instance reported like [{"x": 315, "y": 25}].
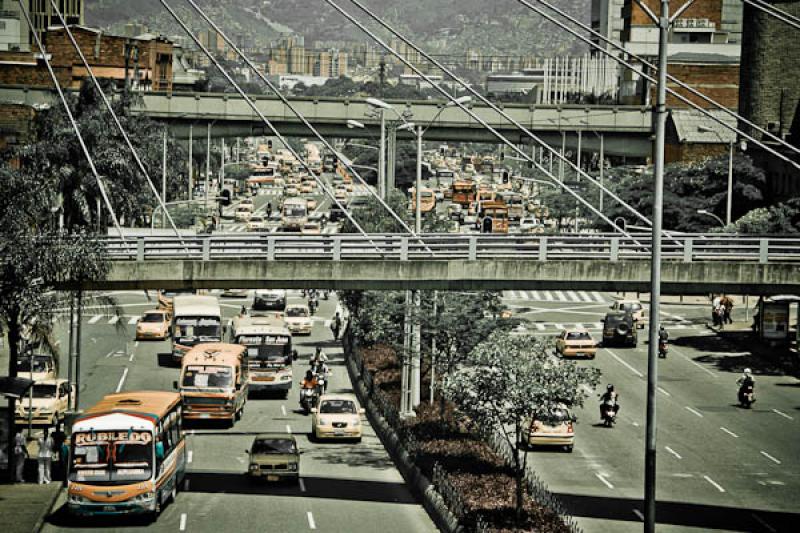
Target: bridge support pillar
[
  {"x": 416, "y": 345},
  {"x": 391, "y": 155}
]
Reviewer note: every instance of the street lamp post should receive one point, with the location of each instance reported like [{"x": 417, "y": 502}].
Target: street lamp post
[
  {"x": 710, "y": 214},
  {"x": 729, "y": 201},
  {"x": 381, "y": 107}
]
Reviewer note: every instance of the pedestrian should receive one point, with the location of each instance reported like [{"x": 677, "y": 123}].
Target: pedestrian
[
  {"x": 336, "y": 326},
  {"x": 45, "y": 458},
  {"x": 727, "y": 305},
  {"x": 20, "y": 454}
]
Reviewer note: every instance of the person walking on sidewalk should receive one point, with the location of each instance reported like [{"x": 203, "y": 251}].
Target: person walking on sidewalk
[
  {"x": 45, "y": 458},
  {"x": 20, "y": 454},
  {"x": 336, "y": 326}
]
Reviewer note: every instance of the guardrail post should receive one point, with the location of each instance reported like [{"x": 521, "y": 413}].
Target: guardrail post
[
  {"x": 140, "y": 248},
  {"x": 614, "y": 249},
  {"x": 403, "y": 248},
  {"x": 542, "y": 248},
  {"x": 688, "y": 251},
  {"x": 270, "y": 248},
  {"x": 473, "y": 248},
  {"x": 207, "y": 249},
  {"x": 337, "y": 249},
  {"x": 763, "y": 251}
]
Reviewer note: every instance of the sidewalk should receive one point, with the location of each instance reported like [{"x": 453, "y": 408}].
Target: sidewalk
[{"x": 26, "y": 505}]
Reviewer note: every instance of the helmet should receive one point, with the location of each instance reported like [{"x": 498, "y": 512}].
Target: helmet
[
  {"x": 610, "y": 387},
  {"x": 747, "y": 371},
  {"x": 309, "y": 375},
  {"x": 319, "y": 349}
]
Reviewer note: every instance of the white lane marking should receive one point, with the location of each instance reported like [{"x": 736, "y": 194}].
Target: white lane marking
[
  {"x": 599, "y": 297},
  {"x": 561, "y": 296},
  {"x": 288, "y": 429},
  {"x": 136, "y": 344},
  {"x": 584, "y": 296},
  {"x": 716, "y": 485},
  {"x": 283, "y": 410},
  {"x": 673, "y": 452},
  {"x": 539, "y": 326},
  {"x": 302, "y": 485},
  {"x": 771, "y": 458},
  {"x": 784, "y": 415},
  {"x": 133, "y": 320},
  {"x": 662, "y": 391},
  {"x": 559, "y": 326},
  {"x": 130, "y": 359},
  {"x": 602, "y": 478},
  {"x": 729, "y": 432},
  {"x": 682, "y": 475},
  {"x": 114, "y": 319},
  {"x": 311, "y": 523},
  {"x": 182, "y": 526},
  {"x": 109, "y": 354},
  {"x": 639, "y": 514},
  {"x": 763, "y": 523},
  {"x": 95, "y": 319},
  {"x": 573, "y": 296},
  {"x": 694, "y": 411},
  {"x": 548, "y": 296},
  {"x": 189, "y": 455},
  {"x": 186, "y": 485},
  {"x": 625, "y": 363},
  {"x": 122, "y": 379}
]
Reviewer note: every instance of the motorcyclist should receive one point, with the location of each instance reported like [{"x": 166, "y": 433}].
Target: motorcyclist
[
  {"x": 745, "y": 381},
  {"x": 318, "y": 357},
  {"x": 663, "y": 337},
  {"x": 321, "y": 371},
  {"x": 609, "y": 400},
  {"x": 310, "y": 381}
]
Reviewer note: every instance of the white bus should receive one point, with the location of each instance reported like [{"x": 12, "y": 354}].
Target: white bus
[
  {"x": 269, "y": 351},
  {"x": 295, "y": 214},
  {"x": 195, "y": 319}
]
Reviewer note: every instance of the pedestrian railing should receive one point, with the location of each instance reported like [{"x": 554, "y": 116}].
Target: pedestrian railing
[{"x": 685, "y": 248}]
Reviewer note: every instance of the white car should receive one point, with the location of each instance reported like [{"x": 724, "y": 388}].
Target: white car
[
  {"x": 298, "y": 319},
  {"x": 256, "y": 223},
  {"x": 243, "y": 213},
  {"x": 530, "y": 225},
  {"x": 337, "y": 416}
]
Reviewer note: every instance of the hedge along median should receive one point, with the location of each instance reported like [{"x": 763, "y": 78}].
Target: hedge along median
[{"x": 464, "y": 483}]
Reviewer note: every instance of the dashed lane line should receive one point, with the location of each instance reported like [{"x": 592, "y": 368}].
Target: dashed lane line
[
  {"x": 311, "y": 523},
  {"x": 662, "y": 391},
  {"x": 288, "y": 429},
  {"x": 694, "y": 411},
  {"x": 625, "y": 363},
  {"x": 729, "y": 432},
  {"x": 302, "y": 484},
  {"x": 771, "y": 458},
  {"x": 784, "y": 415},
  {"x": 714, "y": 483},
  {"x": 638, "y": 514},
  {"x": 182, "y": 526},
  {"x": 122, "y": 379},
  {"x": 132, "y": 320},
  {"x": 673, "y": 452},
  {"x": 189, "y": 455},
  {"x": 283, "y": 410},
  {"x": 95, "y": 319},
  {"x": 602, "y": 478},
  {"x": 114, "y": 319}
]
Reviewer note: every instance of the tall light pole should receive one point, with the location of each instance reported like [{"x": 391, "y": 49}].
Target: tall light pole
[
  {"x": 164, "y": 177},
  {"x": 380, "y": 106},
  {"x": 710, "y": 214}
]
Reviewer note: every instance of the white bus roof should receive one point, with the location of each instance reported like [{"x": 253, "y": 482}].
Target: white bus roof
[
  {"x": 196, "y": 305},
  {"x": 114, "y": 421},
  {"x": 298, "y": 201}
]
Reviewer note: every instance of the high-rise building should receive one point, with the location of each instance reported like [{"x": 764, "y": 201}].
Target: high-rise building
[
  {"x": 15, "y": 33},
  {"x": 43, "y": 16}
]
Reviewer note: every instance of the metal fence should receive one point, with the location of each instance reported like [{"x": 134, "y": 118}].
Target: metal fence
[{"x": 685, "y": 248}]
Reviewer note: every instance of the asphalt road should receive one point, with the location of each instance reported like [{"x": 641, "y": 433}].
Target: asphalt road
[
  {"x": 345, "y": 487},
  {"x": 719, "y": 466}
]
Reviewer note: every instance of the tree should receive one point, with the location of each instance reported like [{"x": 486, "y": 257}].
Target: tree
[
  {"x": 56, "y": 159},
  {"x": 508, "y": 381},
  {"x": 780, "y": 219}
]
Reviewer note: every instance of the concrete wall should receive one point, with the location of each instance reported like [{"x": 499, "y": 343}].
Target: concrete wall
[{"x": 678, "y": 277}]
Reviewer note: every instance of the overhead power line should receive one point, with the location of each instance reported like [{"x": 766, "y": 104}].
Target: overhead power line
[
  {"x": 779, "y": 14},
  {"x": 116, "y": 119},
  {"x": 671, "y": 78},
  {"x": 45, "y": 57},
  {"x": 483, "y": 123}
]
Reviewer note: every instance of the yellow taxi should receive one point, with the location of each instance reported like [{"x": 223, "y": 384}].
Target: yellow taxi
[
  {"x": 576, "y": 343},
  {"x": 153, "y": 325},
  {"x": 554, "y": 430},
  {"x": 337, "y": 416},
  {"x": 311, "y": 203}
]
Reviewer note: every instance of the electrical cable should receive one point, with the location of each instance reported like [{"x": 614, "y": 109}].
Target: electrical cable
[
  {"x": 74, "y": 124},
  {"x": 779, "y": 14}
]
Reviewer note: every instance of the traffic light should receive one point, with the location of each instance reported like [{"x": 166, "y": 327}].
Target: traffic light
[
  {"x": 506, "y": 177},
  {"x": 225, "y": 197},
  {"x": 441, "y": 151},
  {"x": 502, "y": 156},
  {"x": 269, "y": 144},
  {"x": 530, "y": 163}
]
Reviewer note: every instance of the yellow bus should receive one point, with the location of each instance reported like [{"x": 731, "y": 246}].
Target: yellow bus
[
  {"x": 195, "y": 319},
  {"x": 126, "y": 455},
  {"x": 427, "y": 200},
  {"x": 213, "y": 382},
  {"x": 493, "y": 217},
  {"x": 464, "y": 193}
]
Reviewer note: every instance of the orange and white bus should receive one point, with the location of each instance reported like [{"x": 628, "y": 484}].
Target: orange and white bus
[
  {"x": 126, "y": 455},
  {"x": 213, "y": 382},
  {"x": 493, "y": 217},
  {"x": 427, "y": 200},
  {"x": 464, "y": 193}
]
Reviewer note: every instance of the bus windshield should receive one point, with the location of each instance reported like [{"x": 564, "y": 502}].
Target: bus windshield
[
  {"x": 294, "y": 211},
  {"x": 202, "y": 328},
  {"x": 208, "y": 376},
  {"x": 266, "y": 349},
  {"x": 37, "y": 363},
  {"x": 44, "y": 391},
  {"x": 111, "y": 463}
]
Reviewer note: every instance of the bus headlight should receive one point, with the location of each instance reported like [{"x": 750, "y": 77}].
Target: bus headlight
[
  {"x": 77, "y": 498},
  {"x": 144, "y": 497}
]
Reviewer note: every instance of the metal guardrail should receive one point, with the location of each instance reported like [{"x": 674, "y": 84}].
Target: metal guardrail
[{"x": 685, "y": 248}]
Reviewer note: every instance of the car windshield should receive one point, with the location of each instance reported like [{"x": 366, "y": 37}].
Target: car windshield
[
  {"x": 338, "y": 407},
  {"x": 111, "y": 462},
  {"x": 208, "y": 376},
  {"x": 153, "y": 317},
  {"x": 613, "y": 320},
  {"x": 631, "y": 307},
  {"x": 44, "y": 391},
  {"x": 33, "y": 364},
  {"x": 578, "y": 336},
  {"x": 274, "y": 446},
  {"x": 297, "y": 312},
  {"x": 555, "y": 416}
]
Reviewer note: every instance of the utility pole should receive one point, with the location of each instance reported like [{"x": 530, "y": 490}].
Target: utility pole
[
  {"x": 729, "y": 205},
  {"x": 77, "y": 389},
  {"x": 164, "y": 180},
  {"x": 191, "y": 163},
  {"x": 433, "y": 345},
  {"x": 208, "y": 165},
  {"x": 382, "y": 158},
  {"x": 602, "y": 170},
  {"x": 416, "y": 347},
  {"x": 418, "y": 186}
]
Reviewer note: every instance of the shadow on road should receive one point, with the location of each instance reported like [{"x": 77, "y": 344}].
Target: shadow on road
[
  {"x": 734, "y": 351},
  {"x": 681, "y": 514},
  {"x": 316, "y": 487},
  {"x": 373, "y": 457}
]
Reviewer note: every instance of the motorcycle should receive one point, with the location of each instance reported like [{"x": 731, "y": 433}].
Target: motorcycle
[
  {"x": 746, "y": 395},
  {"x": 312, "y": 306},
  {"x": 308, "y": 399},
  {"x": 326, "y": 294},
  {"x": 608, "y": 413},
  {"x": 662, "y": 349}
]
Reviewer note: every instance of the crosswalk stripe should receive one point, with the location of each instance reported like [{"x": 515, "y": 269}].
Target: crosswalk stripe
[
  {"x": 598, "y": 297},
  {"x": 536, "y": 296},
  {"x": 598, "y": 325},
  {"x": 548, "y": 296},
  {"x": 95, "y": 319},
  {"x": 573, "y": 296},
  {"x": 559, "y": 326},
  {"x": 585, "y": 297},
  {"x": 133, "y": 320},
  {"x": 113, "y": 320},
  {"x": 540, "y": 326},
  {"x": 561, "y": 296}
]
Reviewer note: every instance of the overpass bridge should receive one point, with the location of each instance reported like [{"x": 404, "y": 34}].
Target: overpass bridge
[
  {"x": 626, "y": 130},
  {"x": 693, "y": 264}
]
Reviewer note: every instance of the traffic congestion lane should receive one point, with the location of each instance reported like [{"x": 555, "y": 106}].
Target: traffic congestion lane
[{"x": 343, "y": 480}]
